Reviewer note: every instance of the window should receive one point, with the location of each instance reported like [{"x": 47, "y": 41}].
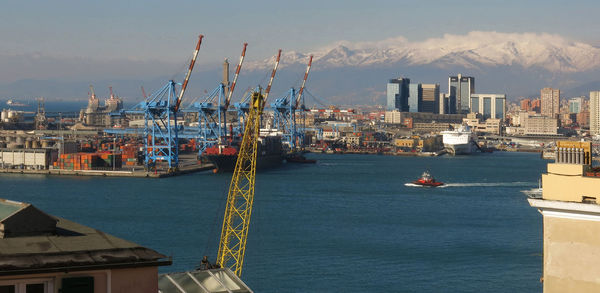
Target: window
[{"x": 27, "y": 286}]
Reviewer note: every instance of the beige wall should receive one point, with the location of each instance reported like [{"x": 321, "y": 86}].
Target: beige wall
[
  {"x": 565, "y": 270},
  {"x": 132, "y": 280},
  {"x": 135, "y": 280},
  {"x": 565, "y": 183}
]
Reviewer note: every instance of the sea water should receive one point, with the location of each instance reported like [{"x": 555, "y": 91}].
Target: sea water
[{"x": 348, "y": 223}]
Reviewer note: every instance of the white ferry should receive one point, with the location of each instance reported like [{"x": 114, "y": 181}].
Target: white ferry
[{"x": 461, "y": 141}]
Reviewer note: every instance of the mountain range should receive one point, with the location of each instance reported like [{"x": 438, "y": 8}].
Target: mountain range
[{"x": 517, "y": 64}]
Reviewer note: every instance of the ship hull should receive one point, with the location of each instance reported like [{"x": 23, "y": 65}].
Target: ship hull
[
  {"x": 226, "y": 163},
  {"x": 459, "y": 149}
]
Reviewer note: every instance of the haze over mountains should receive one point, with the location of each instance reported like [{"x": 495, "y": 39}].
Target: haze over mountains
[{"x": 518, "y": 64}]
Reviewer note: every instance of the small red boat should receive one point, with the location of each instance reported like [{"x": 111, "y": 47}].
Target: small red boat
[{"x": 427, "y": 180}]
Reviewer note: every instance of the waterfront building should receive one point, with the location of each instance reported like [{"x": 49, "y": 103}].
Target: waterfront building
[
  {"x": 415, "y": 97},
  {"x": 540, "y": 125},
  {"x": 430, "y": 98},
  {"x": 489, "y": 105},
  {"x": 44, "y": 253},
  {"x": 569, "y": 204},
  {"x": 397, "y": 94},
  {"x": 550, "y": 101},
  {"x": 460, "y": 89},
  {"x": 594, "y": 112}
]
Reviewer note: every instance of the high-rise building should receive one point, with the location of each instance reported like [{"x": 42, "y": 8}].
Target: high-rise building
[
  {"x": 550, "y": 101},
  {"x": 415, "y": 97},
  {"x": 595, "y": 112},
  {"x": 431, "y": 98},
  {"x": 526, "y": 104},
  {"x": 489, "y": 105},
  {"x": 443, "y": 103},
  {"x": 397, "y": 94},
  {"x": 536, "y": 105},
  {"x": 460, "y": 89},
  {"x": 575, "y": 105}
]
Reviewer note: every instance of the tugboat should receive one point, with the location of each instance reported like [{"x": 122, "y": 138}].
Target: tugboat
[{"x": 427, "y": 180}]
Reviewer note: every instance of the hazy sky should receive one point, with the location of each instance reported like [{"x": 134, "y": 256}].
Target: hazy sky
[{"x": 167, "y": 30}]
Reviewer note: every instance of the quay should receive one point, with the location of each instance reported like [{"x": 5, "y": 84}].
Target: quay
[{"x": 139, "y": 173}]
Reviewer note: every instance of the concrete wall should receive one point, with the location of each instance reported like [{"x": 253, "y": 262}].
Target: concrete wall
[{"x": 571, "y": 255}]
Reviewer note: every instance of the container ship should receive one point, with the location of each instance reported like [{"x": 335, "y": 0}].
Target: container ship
[
  {"x": 224, "y": 156},
  {"x": 461, "y": 141}
]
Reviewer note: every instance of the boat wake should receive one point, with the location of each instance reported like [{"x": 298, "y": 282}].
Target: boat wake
[{"x": 480, "y": 184}]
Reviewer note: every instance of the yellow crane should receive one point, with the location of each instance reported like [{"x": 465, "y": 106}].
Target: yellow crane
[{"x": 240, "y": 198}]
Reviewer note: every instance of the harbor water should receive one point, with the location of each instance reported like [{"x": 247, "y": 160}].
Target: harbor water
[{"x": 348, "y": 223}]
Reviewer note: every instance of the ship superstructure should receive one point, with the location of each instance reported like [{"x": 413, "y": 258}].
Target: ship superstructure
[{"x": 461, "y": 141}]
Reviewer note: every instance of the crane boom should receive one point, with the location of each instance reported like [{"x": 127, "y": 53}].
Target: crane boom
[
  {"x": 111, "y": 92},
  {"x": 240, "y": 198},
  {"x": 303, "y": 82},
  {"x": 237, "y": 72},
  {"x": 144, "y": 92},
  {"x": 272, "y": 75},
  {"x": 189, "y": 73}
]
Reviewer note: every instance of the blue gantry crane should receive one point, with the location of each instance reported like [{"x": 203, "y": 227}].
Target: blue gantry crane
[
  {"x": 284, "y": 113},
  {"x": 212, "y": 111},
  {"x": 161, "y": 129}
]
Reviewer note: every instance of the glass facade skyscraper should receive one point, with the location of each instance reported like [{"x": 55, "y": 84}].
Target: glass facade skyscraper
[
  {"x": 415, "y": 97},
  {"x": 397, "y": 94},
  {"x": 460, "y": 89}
]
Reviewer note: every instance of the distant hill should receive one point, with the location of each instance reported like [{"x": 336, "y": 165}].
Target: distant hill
[{"x": 518, "y": 65}]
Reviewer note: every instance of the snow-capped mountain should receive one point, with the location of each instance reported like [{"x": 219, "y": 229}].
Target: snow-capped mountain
[{"x": 473, "y": 50}]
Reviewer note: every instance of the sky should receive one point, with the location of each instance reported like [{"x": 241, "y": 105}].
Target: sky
[
  {"x": 163, "y": 30},
  {"x": 70, "y": 40}
]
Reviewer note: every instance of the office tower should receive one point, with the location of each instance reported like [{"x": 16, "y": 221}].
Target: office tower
[
  {"x": 575, "y": 105},
  {"x": 595, "y": 112},
  {"x": 489, "y": 105},
  {"x": 415, "y": 97},
  {"x": 431, "y": 96},
  {"x": 550, "y": 101},
  {"x": 397, "y": 94},
  {"x": 460, "y": 89},
  {"x": 443, "y": 103}
]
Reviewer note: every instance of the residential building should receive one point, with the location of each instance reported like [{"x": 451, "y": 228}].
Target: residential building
[
  {"x": 460, "y": 89},
  {"x": 526, "y": 104},
  {"x": 43, "y": 253},
  {"x": 583, "y": 119},
  {"x": 536, "y": 106},
  {"x": 431, "y": 98},
  {"x": 550, "y": 99},
  {"x": 594, "y": 112},
  {"x": 489, "y": 105},
  {"x": 569, "y": 205},
  {"x": 393, "y": 117},
  {"x": 397, "y": 94}
]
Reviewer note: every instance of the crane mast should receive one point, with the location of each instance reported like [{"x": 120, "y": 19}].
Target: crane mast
[
  {"x": 303, "y": 82},
  {"x": 237, "y": 73},
  {"x": 189, "y": 73},
  {"x": 240, "y": 198},
  {"x": 268, "y": 90},
  {"x": 236, "y": 221}
]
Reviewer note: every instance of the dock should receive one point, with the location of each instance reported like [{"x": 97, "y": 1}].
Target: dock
[{"x": 139, "y": 173}]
